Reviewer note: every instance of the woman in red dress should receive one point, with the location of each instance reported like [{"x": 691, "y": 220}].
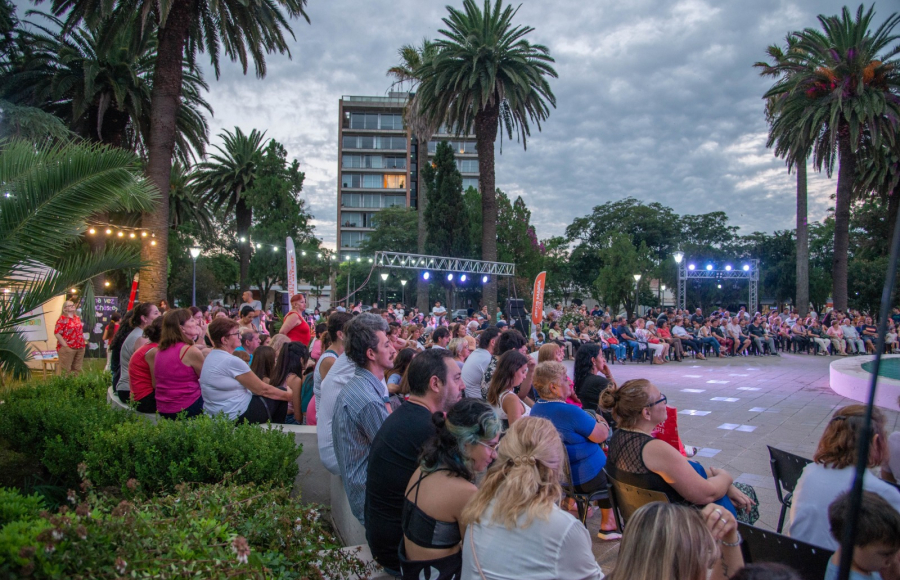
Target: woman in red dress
[
  {"x": 294, "y": 326},
  {"x": 70, "y": 343}
]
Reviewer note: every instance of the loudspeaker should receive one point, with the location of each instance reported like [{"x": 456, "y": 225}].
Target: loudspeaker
[
  {"x": 515, "y": 308},
  {"x": 285, "y": 301},
  {"x": 523, "y": 325}
]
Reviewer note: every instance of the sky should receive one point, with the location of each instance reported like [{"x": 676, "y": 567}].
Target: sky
[{"x": 655, "y": 99}]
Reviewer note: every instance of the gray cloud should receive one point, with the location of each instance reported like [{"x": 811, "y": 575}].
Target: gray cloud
[{"x": 656, "y": 100}]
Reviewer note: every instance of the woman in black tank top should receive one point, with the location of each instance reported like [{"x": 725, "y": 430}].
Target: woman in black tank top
[{"x": 441, "y": 487}]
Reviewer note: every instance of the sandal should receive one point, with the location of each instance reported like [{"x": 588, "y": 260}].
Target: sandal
[{"x": 609, "y": 535}]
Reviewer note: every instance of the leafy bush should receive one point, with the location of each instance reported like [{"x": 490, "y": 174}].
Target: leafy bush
[
  {"x": 205, "y": 531},
  {"x": 15, "y": 506},
  {"x": 201, "y": 450},
  {"x": 56, "y": 420}
]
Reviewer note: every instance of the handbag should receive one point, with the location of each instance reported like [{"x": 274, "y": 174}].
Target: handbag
[
  {"x": 748, "y": 516},
  {"x": 613, "y": 340},
  {"x": 653, "y": 340}
]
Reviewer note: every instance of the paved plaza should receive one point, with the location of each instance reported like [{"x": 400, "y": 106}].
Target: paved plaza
[{"x": 732, "y": 408}]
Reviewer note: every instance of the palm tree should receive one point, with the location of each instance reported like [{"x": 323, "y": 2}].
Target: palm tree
[
  {"x": 185, "y": 27},
  {"x": 50, "y": 192},
  {"x": 412, "y": 62},
  {"x": 484, "y": 71},
  {"x": 224, "y": 180},
  {"x": 879, "y": 175},
  {"x": 838, "y": 83},
  {"x": 185, "y": 206},
  {"x": 795, "y": 150}
]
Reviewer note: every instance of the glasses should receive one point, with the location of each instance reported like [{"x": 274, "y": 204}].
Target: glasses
[
  {"x": 662, "y": 399},
  {"x": 489, "y": 446},
  {"x": 233, "y": 334}
]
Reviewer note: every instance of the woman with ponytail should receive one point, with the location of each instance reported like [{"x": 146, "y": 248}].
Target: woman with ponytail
[
  {"x": 517, "y": 506},
  {"x": 465, "y": 444}
]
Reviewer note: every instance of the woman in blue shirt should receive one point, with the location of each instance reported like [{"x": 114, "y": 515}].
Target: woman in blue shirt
[{"x": 581, "y": 433}]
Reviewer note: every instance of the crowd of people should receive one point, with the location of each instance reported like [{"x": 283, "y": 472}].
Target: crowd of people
[{"x": 460, "y": 442}]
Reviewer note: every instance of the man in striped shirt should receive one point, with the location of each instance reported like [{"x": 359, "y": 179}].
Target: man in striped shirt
[{"x": 360, "y": 407}]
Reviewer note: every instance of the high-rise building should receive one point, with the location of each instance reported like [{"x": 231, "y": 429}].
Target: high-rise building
[{"x": 377, "y": 164}]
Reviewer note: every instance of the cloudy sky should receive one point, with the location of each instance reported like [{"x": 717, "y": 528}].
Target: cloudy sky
[{"x": 655, "y": 99}]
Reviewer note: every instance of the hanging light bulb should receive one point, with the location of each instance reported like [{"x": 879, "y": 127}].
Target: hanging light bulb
[
  {"x": 108, "y": 231},
  {"x": 153, "y": 242},
  {"x": 131, "y": 235},
  {"x": 143, "y": 234},
  {"x": 92, "y": 231},
  {"x": 121, "y": 234}
]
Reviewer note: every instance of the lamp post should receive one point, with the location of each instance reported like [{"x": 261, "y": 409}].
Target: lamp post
[
  {"x": 663, "y": 295},
  {"x": 679, "y": 256},
  {"x": 195, "y": 252},
  {"x": 384, "y": 277},
  {"x": 403, "y": 295},
  {"x": 637, "y": 278}
]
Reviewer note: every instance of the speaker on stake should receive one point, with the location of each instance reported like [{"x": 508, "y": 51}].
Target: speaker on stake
[
  {"x": 285, "y": 301},
  {"x": 515, "y": 308}
]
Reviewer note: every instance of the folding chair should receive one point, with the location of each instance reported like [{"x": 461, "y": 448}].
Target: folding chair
[
  {"x": 786, "y": 469},
  {"x": 627, "y": 499},
  {"x": 809, "y": 561}
]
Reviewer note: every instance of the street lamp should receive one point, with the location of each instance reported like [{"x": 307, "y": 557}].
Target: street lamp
[
  {"x": 403, "y": 284},
  {"x": 637, "y": 278},
  {"x": 384, "y": 277},
  {"x": 195, "y": 252},
  {"x": 679, "y": 256}
]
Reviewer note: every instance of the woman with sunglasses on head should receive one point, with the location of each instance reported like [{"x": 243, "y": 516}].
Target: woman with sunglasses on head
[
  {"x": 636, "y": 458},
  {"x": 464, "y": 445}
]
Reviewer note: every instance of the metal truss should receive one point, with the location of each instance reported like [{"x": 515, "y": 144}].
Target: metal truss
[
  {"x": 442, "y": 264},
  {"x": 701, "y": 273}
]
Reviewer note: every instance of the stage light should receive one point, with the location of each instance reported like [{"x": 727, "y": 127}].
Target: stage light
[
  {"x": 462, "y": 278},
  {"x": 708, "y": 267},
  {"x": 426, "y": 275},
  {"x": 728, "y": 267},
  {"x": 384, "y": 276},
  {"x": 691, "y": 267},
  {"x": 484, "y": 279},
  {"x": 746, "y": 268},
  {"x": 678, "y": 257},
  {"x": 719, "y": 286},
  {"x": 449, "y": 277}
]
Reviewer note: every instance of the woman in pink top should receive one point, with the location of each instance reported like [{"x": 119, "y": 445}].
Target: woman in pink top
[
  {"x": 836, "y": 335},
  {"x": 177, "y": 367}
]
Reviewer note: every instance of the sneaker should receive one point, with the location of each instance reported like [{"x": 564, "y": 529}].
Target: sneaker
[
  {"x": 609, "y": 536},
  {"x": 690, "y": 450}
]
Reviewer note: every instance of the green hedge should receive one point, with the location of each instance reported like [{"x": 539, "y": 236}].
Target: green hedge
[
  {"x": 202, "y": 450},
  {"x": 64, "y": 422},
  {"x": 204, "y": 531}
]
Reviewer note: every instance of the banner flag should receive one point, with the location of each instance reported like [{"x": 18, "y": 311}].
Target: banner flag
[
  {"x": 537, "y": 310},
  {"x": 291, "y": 267}
]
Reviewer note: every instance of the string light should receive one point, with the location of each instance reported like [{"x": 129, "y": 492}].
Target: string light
[
  {"x": 121, "y": 234},
  {"x": 153, "y": 243},
  {"x": 106, "y": 283},
  {"x": 92, "y": 231},
  {"x": 143, "y": 234},
  {"x": 108, "y": 231},
  {"x": 131, "y": 235}
]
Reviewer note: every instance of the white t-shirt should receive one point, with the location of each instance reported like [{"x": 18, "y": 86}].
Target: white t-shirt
[
  {"x": 894, "y": 462},
  {"x": 222, "y": 393},
  {"x": 559, "y": 547},
  {"x": 473, "y": 372},
  {"x": 125, "y": 355},
  {"x": 816, "y": 489},
  {"x": 340, "y": 373}
]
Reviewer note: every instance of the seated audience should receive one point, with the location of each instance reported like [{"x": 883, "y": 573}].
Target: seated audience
[
  {"x": 855, "y": 344},
  {"x": 477, "y": 363},
  {"x": 832, "y": 472},
  {"x": 464, "y": 445},
  {"x": 228, "y": 384},
  {"x": 514, "y": 527},
  {"x": 263, "y": 363},
  {"x": 288, "y": 375},
  {"x": 177, "y": 367},
  {"x": 140, "y": 370},
  {"x": 553, "y": 353},
  {"x": 509, "y": 375},
  {"x": 876, "y": 545},
  {"x": 666, "y": 541},
  {"x": 460, "y": 349},
  {"x": 509, "y": 340},
  {"x": 607, "y": 337},
  {"x": 394, "y": 377},
  {"x": 636, "y": 458},
  {"x": 592, "y": 376},
  {"x": 766, "y": 571},
  {"x": 836, "y": 335},
  {"x": 581, "y": 434},
  {"x": 435, "y": 386}
]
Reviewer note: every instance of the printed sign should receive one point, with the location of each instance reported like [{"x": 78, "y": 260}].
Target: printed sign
[
  {"x": 291, "y": 267},
  {"x": 34, "y": 329},
  {"x": 537, "y": 311},
  {"x": 104, "y": 307}
]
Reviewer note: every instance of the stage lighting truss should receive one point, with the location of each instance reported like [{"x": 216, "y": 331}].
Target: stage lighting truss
[
  {"x": 443, "y": 264},
  {"x": 740, "y": 270}
]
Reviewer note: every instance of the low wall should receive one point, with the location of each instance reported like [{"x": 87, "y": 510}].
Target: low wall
[
  {"x": 848, "y": 378},
  {"x": 315, "y": 483}
]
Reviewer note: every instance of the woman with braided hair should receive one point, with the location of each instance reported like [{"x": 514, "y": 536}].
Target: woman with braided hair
[
  {"x": 517, "y": 506},
  {"x": 464, "y": 444}
]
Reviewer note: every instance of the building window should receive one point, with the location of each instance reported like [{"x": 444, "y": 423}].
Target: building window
[
  {"x": 384, "y": 121},
  {"x": 373, "y": 181},
  {"x": 351, "y": 180},
  {"x": 470, "y": 182},
  {"x": 467, "y": 165},
  {"x": 394, "y": 181},
  {"x": 373, "y": 142},
  {"x": 395, "y": 162},
  {"x": 394, "y": 201},
  {"x": 353, "y": 239},
  {"x": 459, "y": 147}
]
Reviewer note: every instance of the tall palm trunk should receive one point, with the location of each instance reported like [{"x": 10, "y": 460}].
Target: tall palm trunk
[
  {"x": 243, "y": 217},
  {"x": 164, "y": 102},
  {"x": 846, "y": 176},
  {"x": 893, "y": 206},
  {"x": 421, "y": 161},
  {"x": 802, "y": 242},
  {"x": 486, "y": 121}
]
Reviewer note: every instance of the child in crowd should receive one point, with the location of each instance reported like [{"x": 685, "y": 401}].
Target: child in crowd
[{"x": 876, "y": 546}]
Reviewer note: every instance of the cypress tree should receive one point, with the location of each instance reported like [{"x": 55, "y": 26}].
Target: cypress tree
[{"x": 445, "y": 215}]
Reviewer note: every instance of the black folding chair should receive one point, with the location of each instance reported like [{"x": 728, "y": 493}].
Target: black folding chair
[
  {"x": 786, "y": 469},
  {"x": 627, "y": 499},
  {"x": 809, "y": 561},
  {"x": 583, "y": 501}
]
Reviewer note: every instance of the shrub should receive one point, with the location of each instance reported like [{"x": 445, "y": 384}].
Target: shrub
[
  {"x": 201, "y": 450},
  {"x": 15, "y": 506},
  {"x": 204, "y": 531}
]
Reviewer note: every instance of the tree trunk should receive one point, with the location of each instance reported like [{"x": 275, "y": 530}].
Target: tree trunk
[
  {"x": 485, "y": 133},
  {"x": 422, "y": 286},
  {"x": 243, "y": 217},
  {"x": 164, "y": 102},
  {"x": 802, "y": 242},
  {"x": 893, "y": 206},
  {"x": 846, "y": 176}
]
